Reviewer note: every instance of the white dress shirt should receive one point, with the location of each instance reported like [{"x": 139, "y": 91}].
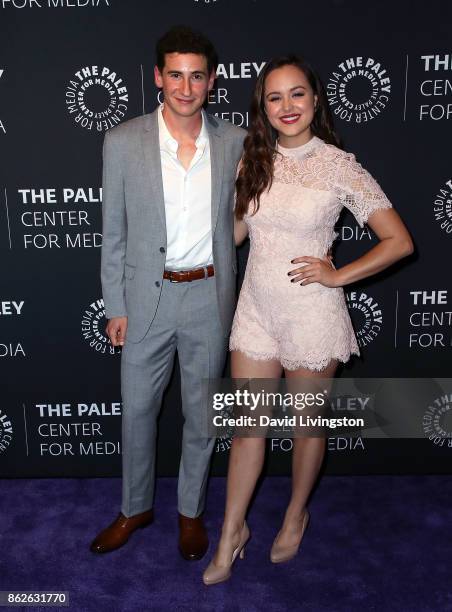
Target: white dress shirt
[{"x": 187, "y": 196}]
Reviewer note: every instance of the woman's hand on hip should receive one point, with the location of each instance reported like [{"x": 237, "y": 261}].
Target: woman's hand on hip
[{"x": 315, "y": 270}]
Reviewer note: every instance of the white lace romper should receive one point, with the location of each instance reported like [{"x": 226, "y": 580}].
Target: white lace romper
[{"x": 301, "y": 326}]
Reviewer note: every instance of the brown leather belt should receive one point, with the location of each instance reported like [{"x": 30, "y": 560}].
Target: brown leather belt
[{"x": 184, "y": 276}]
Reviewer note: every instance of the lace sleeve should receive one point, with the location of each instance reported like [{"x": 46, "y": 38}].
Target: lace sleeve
[{"x": 358, "y": 190}]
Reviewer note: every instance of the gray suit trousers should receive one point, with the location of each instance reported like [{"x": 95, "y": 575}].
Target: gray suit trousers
[{"x": 186, "y": 320}]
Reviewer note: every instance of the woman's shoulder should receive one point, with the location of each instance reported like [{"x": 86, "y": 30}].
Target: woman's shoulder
[{"x": 334, "y": 153}]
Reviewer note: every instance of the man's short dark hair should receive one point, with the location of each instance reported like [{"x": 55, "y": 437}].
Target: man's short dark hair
[{"x": 182, "y": 39}]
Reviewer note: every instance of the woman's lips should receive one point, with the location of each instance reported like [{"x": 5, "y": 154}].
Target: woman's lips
[{"x": 289, "y": 119}]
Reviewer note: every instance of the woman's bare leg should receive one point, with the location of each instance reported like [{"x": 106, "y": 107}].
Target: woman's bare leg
[
  {"x": 245, "y": 462},
  {"x": 307, "y": 458}
]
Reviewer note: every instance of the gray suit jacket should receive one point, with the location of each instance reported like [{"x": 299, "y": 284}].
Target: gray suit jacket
[{"x": 133, "y": 218}]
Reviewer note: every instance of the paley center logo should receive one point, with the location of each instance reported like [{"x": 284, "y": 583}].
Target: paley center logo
[
  {"x": 349, "y": 232},
  {"x": 436, "y": 89},
  {"x": 437, "y": 421},
  {"x": 11, "y": 308},
  {"x": 93, "y": 329},
  {"x": 367, "y": 316},
  {"x": 359, "y": 89},
  {"x": 97, "y": 97},
  {"x": 33, "y": 4},
  {"x": 6, "y": 431},
  {"x": 223, "y": 444},
  {"x": 442, "y": 207}
]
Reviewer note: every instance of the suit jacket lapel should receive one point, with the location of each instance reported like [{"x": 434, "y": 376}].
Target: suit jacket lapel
[
  {"x": 153, "y": 164},
  {"x": 216, "y": 163}
]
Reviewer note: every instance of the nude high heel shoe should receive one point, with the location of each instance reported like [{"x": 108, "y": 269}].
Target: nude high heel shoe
[
  {"x": 279, "y": 554},
  {"x": 214, "y": 574}
]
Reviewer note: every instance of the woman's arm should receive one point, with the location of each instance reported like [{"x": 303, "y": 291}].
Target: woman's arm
[
  {"x": 395, "y": 243},
  {"x": 240, "y": 231}
]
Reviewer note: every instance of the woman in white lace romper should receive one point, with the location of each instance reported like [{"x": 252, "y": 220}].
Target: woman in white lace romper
[{"x": 292, "y": 185}]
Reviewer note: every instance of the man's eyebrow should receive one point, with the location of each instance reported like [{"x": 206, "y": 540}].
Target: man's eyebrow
[{"x": 191, "y": 72}]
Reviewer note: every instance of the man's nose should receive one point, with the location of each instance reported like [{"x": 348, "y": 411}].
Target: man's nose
[{"x": 186, "y": 87}]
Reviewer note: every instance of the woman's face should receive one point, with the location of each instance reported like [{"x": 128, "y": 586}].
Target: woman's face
[{"x": 290, "y": 105}]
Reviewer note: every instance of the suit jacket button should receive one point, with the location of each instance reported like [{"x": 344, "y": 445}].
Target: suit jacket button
[
  {"x": 162, "y": 249},
  {"x": 157, "y": 283}
]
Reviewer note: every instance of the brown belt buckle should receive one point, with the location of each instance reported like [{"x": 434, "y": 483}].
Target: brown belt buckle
[{"x": 184, "y": 276}]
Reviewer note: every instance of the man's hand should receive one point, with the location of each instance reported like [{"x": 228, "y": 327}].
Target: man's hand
[{"x": 116, "y": 330}]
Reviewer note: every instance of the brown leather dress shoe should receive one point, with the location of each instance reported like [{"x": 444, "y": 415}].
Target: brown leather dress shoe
[
  {"x": 193, "y": 540},
  {"x": 117, "y": 534}
]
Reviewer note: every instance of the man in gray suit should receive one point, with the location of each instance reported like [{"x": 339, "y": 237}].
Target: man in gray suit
[{"x": 168, "y": 276}]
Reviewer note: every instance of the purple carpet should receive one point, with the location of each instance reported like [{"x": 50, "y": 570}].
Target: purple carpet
[{"x": 373, "y": 543}]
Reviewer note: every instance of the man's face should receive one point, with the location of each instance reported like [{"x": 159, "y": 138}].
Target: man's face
[{"x": 185, "y": 82}]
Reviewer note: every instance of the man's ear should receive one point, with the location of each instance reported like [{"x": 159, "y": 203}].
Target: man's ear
[
  {"x": 212, "y": 78},
  {"x": 158, "y": 77}
]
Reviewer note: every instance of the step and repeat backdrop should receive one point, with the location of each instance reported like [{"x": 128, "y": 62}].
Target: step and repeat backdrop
[{"x": 72, "y": 69}]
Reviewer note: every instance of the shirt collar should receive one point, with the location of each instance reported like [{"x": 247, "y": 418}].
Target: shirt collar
[{"x": 169, "y": 143}]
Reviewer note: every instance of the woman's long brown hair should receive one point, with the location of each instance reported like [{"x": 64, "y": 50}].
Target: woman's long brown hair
[{"x": 256, "y": 172}]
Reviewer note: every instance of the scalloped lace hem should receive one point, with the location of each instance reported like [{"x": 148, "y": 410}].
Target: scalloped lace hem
[
  {"x": 315, "y": 365},
  {"x": 320, "y": 364}
]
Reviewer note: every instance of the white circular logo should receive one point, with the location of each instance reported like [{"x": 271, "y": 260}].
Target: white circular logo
[
  {"x": 442, "y": 207},
  {"x": 223, "y": 444},
  {"x": 437, "y": 421},
  {"x": 93, "y": 329},
  {"x": 6, "y": 431},
  {"x": 359, "y": 89},
  {"x": 97, "y": 98},
  {"x": 366, "y": 315}
]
